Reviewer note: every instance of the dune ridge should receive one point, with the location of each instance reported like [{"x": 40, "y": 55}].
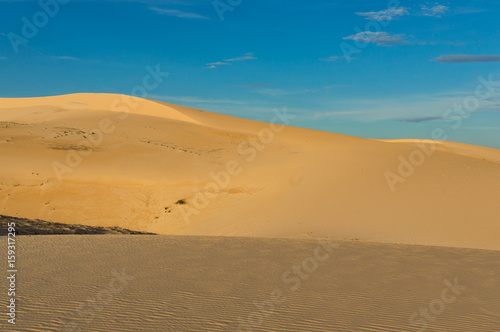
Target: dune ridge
[{"x": 113, "y": 160}]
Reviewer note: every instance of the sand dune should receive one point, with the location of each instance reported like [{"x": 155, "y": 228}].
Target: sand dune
[
  {"x": 103, "y": 161},
  {"x": 183, "y": 283},
  {"x": 112, "y": 160}
]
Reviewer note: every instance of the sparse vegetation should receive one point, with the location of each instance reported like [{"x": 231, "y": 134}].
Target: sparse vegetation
[
  {"x": 39, "y": 227},
  {"x": 181, "y": 202}
]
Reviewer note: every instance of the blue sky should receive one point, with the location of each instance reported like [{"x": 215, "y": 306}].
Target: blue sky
[{"x": 376, "y": 69}]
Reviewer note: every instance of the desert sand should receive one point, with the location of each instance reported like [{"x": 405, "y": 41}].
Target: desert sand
[
  {"x": 184, "y": 283},
  {"x": 263, "y": 226},
  {"x": 112, "y": 160}
]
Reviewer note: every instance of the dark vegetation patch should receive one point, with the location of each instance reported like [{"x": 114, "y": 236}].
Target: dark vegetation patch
[{"x": 40, "y": 227}]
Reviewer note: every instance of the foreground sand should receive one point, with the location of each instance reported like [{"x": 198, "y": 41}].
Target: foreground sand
[
  {"x": 182, "y": 283},
  {"x": 111, "y": 160}
]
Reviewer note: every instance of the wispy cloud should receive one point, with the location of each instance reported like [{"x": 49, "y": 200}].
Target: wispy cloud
[
  {"x": 465, "y": 58},
  {"x": 452, "y": 43},
  {"x": 177, "y": 13},
  {"x": 435, "y": 10},
  {"x": 412, "y": 108},
  {"x": 336, "y": 58},
  {"x": 482, "y": 128},
  {"x": 386, "y": 14},
  {"x": 282, "y": 92},
  {"x": 381, "y": 38},
  {"x": 247, "y": 56},
  {"x": 468, "y": 10},
  {"x": 190, "y": 99},
  {"x": 333, "y": 114},
  {"x": 420, "y": 119},
  {"x": 252, "y": 85},
  {"x": 215, "y": 64},
  {"x": 491, "y": 108},
  {"x": 328, "y": 88},
  {"x": 56, "y": 57}
]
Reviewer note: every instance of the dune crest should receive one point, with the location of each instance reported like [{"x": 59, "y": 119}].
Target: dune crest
[{"x": 112, "y": 160}]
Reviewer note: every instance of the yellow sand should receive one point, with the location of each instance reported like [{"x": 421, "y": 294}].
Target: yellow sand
[{"x": 112, "y": 160}]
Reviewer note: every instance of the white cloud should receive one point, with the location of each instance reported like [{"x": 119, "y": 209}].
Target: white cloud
[
  {"x": 412, "y": 108},
  {"x": 177, "y": 13},
  {"x": 216, "y": 64},
  {"x": 386, "y": 14},
  {"x": 379, "y": 38},
  {"x": 324, "y": 115},
  {"x": 468, "y": 10},
  {"x": 252, "y": 85},
  {"x": 465, "y": 58},
  {"x": 435, "y": 10},
  {"x": 336, "y": 58},
  {"x": 420, "y": 119},
  {"x": 64, "y": 58},
  {"x": 247, "y": 56},
  {"x": 481, "y": 128},
  {"x": 277, "y": 92}
]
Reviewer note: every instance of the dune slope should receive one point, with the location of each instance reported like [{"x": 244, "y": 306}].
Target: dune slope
[
  {"x": 185, "y": 283},
  {"x": 112, "y": 160}
]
